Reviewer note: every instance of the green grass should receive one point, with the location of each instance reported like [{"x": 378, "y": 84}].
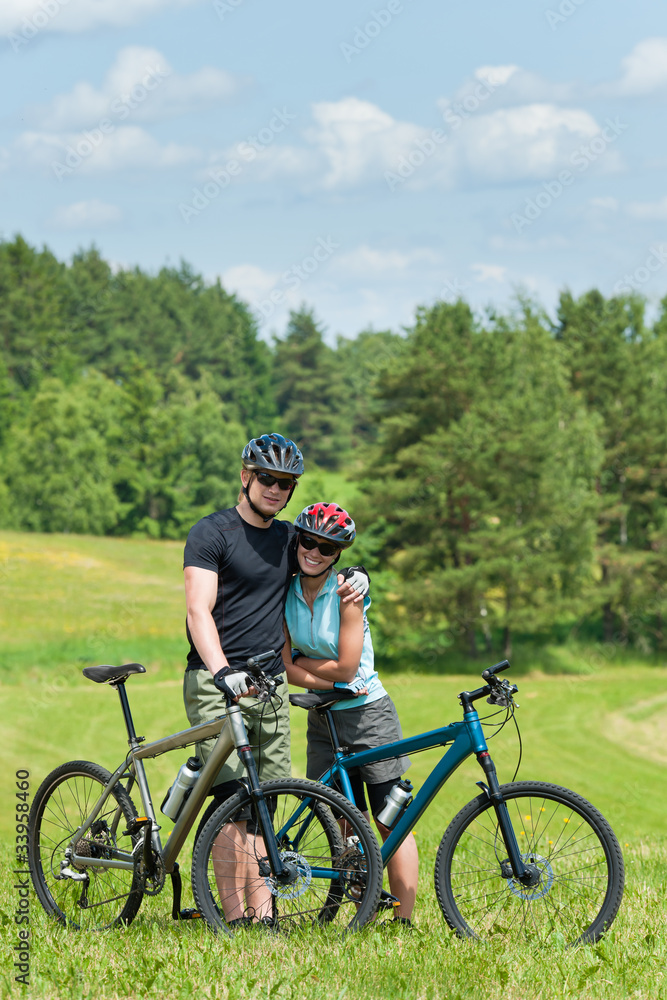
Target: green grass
[
  {"x": 66, "y": 602},
  {"x": 155, "y": 958}
]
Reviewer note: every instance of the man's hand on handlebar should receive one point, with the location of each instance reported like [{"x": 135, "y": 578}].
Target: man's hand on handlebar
[
  {"x": 233, "y": 683},
  {"x": 252, "y": 681}
]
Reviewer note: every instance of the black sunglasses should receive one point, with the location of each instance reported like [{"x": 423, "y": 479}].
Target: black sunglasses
[
  {"x": 266, "y": 479},
  {"x": 326, "y": 548}
]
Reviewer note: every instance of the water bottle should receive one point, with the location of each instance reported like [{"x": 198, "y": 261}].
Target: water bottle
[
  {"x": 180, "y": 789},
  {"x": 398, "y": 799}
]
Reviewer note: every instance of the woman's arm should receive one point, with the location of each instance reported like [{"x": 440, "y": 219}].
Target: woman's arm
[
  {"x": 350, "y": 644},
  {"x": 297, "y": 675}
]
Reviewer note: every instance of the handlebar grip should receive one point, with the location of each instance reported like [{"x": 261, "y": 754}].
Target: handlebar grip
[
  {"x": 496, "y": 668},
  {"x": 255, "y": 663}
]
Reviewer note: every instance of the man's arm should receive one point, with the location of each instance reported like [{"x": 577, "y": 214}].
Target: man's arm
[{"x": 201, "y": 591}]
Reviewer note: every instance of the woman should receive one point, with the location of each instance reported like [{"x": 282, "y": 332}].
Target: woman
[{"x": 334, "y": 647}]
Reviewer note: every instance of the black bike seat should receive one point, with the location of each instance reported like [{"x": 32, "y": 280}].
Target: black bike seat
[
  {"x": 107, "y": 674},
  {"x": 320, "y": 699}
]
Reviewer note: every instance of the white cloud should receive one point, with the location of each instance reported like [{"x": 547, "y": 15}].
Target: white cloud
[
  {"x": 371, "y": 280},
  {"x": 495, "y": 273},
  {"x": 491, "y": 87},
  {"x": 249, "y": 281},
  {"x": 366, "y": 262},
  {"x": 25, "y": 18},
  {"x": 495, "y": 76},
  {"x": 649, "y": 211},
  {"x": 532, "y": 141},
  {"x": 140, "y": 85},
  {"x": 126, "y": 147},
  {"x": 644, "y": 71},
  {"x": 354, "y": 143},
  {"x": 85, "y": 215},
  {"x": 358, "y": 141}
]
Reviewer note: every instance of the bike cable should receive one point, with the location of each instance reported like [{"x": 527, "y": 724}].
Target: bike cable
[
  {"x": 499, "y": 726},
  {"x": 269, "y": 703}
]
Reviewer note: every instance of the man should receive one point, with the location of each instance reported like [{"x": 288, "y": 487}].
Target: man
[{"x": 238, "y": 565}]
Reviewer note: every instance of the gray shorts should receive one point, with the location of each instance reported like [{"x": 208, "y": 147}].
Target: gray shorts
[{"x": 362, "y": 728}]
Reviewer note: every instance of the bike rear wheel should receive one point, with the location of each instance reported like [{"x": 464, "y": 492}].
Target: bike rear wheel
[
  {"x": 90, "y": 897},
  {"x": 330, "y": 881},
  {"x": 576, "y": 859}
]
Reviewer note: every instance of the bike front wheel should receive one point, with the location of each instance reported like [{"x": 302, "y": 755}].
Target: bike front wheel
[
  {"x": 90, "y": 897},
  {"x": 575, "y": 859},
  {"x": 329, "y": 879}
]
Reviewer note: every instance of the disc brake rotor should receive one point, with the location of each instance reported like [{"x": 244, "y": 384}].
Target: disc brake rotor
[
  {"x": 541, "y": 887},
  {"x": 302, "y": 877}
]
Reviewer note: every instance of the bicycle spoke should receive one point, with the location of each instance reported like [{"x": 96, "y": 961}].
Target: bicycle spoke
[
  {"x": 101, "y": 897},
  {"x": 567, "y": 886}
]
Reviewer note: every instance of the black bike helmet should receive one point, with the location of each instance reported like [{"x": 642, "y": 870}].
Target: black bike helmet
[
  {"x": 274, "y": 453},
  {"x": 328, "y": 521}
]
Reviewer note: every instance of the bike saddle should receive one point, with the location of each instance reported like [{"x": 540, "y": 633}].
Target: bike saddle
[
  {"x": 320, "y": 699},
  {"x": 108, "y": 675}
]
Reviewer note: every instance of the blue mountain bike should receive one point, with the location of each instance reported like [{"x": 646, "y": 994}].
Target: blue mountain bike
[{"x": 525, "y": 860}]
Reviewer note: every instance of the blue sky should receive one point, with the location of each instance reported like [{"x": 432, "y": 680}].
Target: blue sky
[{"x": 362, "y": 158}]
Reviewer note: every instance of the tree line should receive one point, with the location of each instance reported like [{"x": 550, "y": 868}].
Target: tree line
[{"x": 512, "y": 467}]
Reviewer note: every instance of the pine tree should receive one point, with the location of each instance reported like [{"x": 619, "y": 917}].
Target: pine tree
[
  {"x": 483, "y": 478},
  {"x": 309, "y": 392},
  {"x": 618, "y": 367}
]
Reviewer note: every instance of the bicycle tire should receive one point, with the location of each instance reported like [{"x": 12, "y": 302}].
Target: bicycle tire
[
  {"x": 325, "y": 817},
  {"x": 580, "y": 863},
  {"x": 111, "y": 896},
  {"x": 309, "y": 838}
]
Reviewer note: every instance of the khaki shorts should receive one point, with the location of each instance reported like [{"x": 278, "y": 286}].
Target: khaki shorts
[{"x": 267, "y": 724}]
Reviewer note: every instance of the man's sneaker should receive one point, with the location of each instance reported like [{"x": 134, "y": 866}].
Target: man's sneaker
[
  {"x": 268, "y": 923},
  {"x": 397, "y": 923},
  {"x": 239, "y": 923}
]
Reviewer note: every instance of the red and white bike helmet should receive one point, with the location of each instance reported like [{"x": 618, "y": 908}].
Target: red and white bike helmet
[{"x": 328, "y": 521}]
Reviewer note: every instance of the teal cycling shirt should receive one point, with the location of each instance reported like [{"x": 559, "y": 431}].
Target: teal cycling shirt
[{"x": 316, "y": 635}]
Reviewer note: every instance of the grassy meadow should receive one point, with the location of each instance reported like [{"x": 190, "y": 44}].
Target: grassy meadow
[{"x": 67, "y": 602}]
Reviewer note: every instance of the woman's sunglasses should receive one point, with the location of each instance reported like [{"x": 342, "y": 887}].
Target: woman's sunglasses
[
  {"x": 266, "y": 479},
  {"x": 326, "y": 548}
]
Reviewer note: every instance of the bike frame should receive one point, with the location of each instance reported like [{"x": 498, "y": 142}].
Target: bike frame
[
  {"x": 222, "y": 727},
  {"x": 231, "y": 732},
  {"x": 466, "y": 738}
]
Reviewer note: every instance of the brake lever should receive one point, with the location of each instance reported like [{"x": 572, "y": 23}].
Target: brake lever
[
  {"x": 501, "y": 694},
  {"x": 266, "y": 686}
]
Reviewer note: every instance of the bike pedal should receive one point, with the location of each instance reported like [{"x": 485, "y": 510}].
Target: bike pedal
[
  {"x": 189, "y": 913},
  {"x": 135, "y": 825},
  {"x": 387, "y": 901}
]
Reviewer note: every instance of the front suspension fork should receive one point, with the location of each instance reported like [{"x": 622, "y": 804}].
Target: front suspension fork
[
  {"x": 519, "y": 869},
  {"x": 257, "y": 795}
]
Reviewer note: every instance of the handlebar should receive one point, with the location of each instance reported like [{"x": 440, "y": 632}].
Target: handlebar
[
  {"x": 497, "y": 691},
  {"x": 255, "y": 663},
  {"x": 503, "y": 665},
  {"x": 263, "y": 685}
]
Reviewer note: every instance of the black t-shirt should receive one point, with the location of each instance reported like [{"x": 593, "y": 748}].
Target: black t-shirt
[{"x": 254, "y": 567}]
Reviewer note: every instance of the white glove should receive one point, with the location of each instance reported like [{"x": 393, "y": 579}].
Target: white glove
[
  {"x": 234, "y": 684},
  {"x": 358, "y": 579}
]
